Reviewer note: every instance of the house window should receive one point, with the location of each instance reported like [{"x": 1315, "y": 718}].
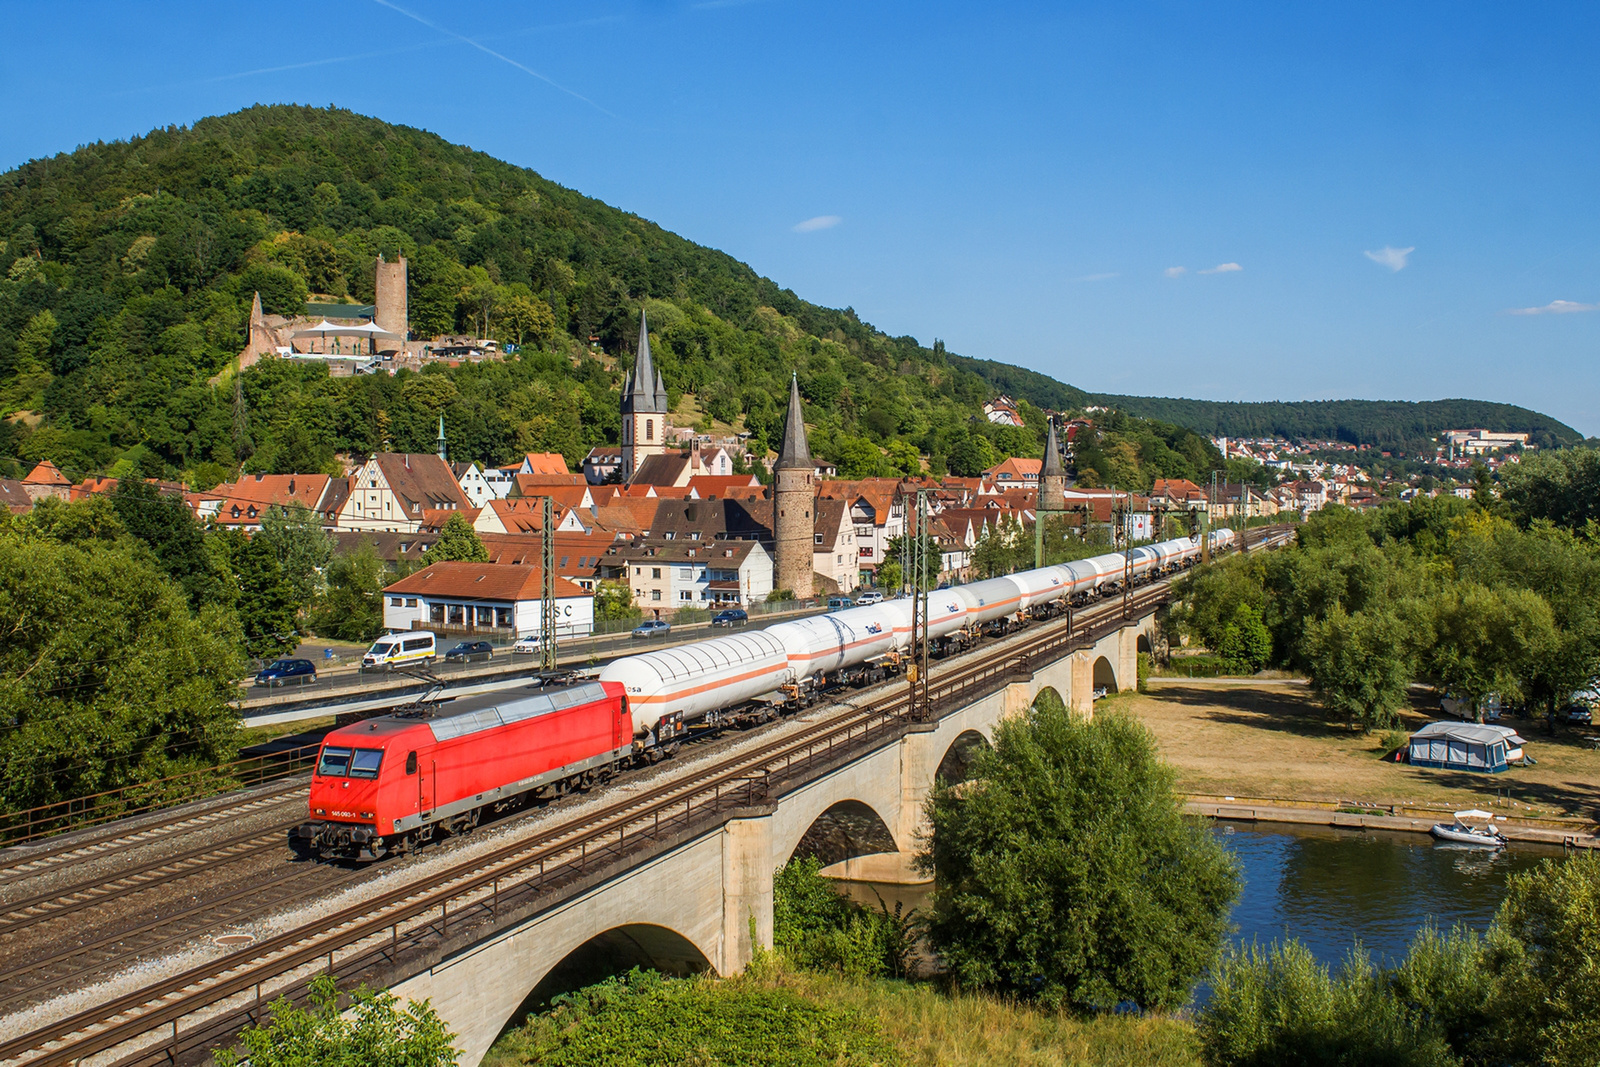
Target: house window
[
  {"x": 395, "y": 602},
  {"x": 649, "y": 429},
  {"x": 485, "y": 616},
  {"x": 456, "y": 615},
  {"x": 685, "y": 573},
  {"x": 502, "y": 618},
  {"x": 655, "y": 594},
  {"x": 436, "y": 613},
  {"x": 816, "y": 539},
  {"x": 655, "y": 572},
  {"x": 686, "y": 594},
  {"x": 411, "y": 601}
]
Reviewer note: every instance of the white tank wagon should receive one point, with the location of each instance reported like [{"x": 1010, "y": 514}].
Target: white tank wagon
[
  {"x": 1086, "y": 577},
  {"x": 687, "y": 683},
  {"x": 824, "y": 644},
  {"x": 990, "y": 600}
]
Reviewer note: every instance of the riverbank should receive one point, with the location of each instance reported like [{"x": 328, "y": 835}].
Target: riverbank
[
  {"x": 1326, "y": 816},
  {"x": 1265, "y": 744}
]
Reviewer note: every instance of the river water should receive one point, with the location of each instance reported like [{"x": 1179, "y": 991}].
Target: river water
[{"x": 1330, "y": 887}]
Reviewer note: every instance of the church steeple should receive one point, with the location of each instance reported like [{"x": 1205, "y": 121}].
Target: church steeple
[
  {"x": 794, "y": 452},
  {"x": 643, "y": 392},
  {"x": 644, "y": 408}
]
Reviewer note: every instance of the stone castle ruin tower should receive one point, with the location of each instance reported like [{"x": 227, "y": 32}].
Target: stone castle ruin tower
[
  {"x": 389, "y": 299},
  {"x": 644, "y": 409},
  {"x": 795, "y": 494}
]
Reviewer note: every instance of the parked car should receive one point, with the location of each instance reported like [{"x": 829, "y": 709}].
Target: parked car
[
  {"x": 526, "y": 646},
  {"x": 284, "y": 671},
  {"x": 1578, "y": 714},
  {"x": 837, "y": 602},
  {"x": 467, "y": 651},
  {"x": 870, "y": 597},
  {"x": 730, "y": 617},
  {"x": 653, "y": 628}
]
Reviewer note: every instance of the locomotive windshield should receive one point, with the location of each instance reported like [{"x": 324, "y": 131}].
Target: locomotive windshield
[{"x": 351, "y": 763}]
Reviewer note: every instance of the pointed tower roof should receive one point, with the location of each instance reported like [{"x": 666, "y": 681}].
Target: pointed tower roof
[
  {"x": 46, "y": 473},
  {"x": 1052, "y": 455},
  {"x": 795, "y": 452},
  {"x": 644, "y": 391}
]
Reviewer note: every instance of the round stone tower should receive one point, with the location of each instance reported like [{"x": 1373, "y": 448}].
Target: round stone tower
[{"x": 794, "y": 501}]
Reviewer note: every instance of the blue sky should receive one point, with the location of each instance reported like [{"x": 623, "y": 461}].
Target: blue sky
[{"x": 1376, "y": 191}]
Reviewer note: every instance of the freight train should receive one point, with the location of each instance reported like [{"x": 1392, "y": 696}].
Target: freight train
[{"x": 386, "y": 784}]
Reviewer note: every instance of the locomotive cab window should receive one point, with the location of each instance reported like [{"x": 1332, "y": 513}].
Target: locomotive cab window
[
  {"x": 364, "y": 762},
  {"x": 411, "y": 763},
  {"x": 334, "y": 762}
]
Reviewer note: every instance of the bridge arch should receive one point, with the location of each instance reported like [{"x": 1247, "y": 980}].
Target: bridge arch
[
  {"x": 1143, "y": 644},
  {"x": 956, "y": 766},
  {"x": 1105, "y": 675},
  {"x": 843, "y": 831},
  {"x": 613, "y": 952}
]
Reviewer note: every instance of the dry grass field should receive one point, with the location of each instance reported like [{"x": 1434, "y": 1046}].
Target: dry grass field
[{"x": 1270, "y": 740}]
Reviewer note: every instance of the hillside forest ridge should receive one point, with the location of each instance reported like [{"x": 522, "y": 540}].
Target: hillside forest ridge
[{"x": 127, "y": 272}]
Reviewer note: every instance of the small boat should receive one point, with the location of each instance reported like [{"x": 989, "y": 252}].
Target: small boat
[{"x": 1463, "y": 832}]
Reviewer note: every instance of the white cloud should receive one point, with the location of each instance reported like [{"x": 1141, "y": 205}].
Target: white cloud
[
  {"x": 1099, "y": 277},
  {"x": 1222, "y": 268},
  {"x": 1393, "y": 258},
  {"x": 1555, "y": 307},
  {"x": 821, "y": 222},
  {"x": 1175, "y": 272}
]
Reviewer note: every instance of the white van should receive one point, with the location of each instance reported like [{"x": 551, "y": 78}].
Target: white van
[{"x": 399, "y": 650}]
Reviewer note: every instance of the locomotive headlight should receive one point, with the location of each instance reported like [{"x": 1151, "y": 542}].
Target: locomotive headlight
[
  {"x": 366, "y": 815},
  {"x": 322, "y": 811}
]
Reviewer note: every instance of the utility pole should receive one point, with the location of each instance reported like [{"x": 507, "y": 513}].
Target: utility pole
[
  {"x": 917, "y": 573},
  {"x": 1124, "y": 534},
  {"x": 547, "y": 588}
]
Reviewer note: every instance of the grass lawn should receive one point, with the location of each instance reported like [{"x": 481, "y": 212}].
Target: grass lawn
[
  {"x": 1248, "y": 739},
  {"x": 775, "y": 1017}
]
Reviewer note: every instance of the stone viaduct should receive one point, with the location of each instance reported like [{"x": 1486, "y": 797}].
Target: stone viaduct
[{"x": 698, "y": 906}]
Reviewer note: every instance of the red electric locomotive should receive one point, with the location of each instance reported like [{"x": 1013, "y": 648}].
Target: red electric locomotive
[{"x": 386, "y": 783}]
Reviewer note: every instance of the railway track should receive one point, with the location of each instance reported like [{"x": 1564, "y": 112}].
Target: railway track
[
  {"x": 213, "y": 997},
  {"x": 414, "y": 913},
  {"x": 20, "y": 862}
]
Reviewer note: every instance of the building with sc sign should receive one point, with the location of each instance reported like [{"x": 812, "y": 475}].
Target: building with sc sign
[{"x": 496, "y": 600}]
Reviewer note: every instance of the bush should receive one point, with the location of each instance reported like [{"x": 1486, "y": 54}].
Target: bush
[
  {"x": 1067, "y": 872},
  {"x": 1393, "y": 741},
  {"x": 373, "y": 1032},
  {"x": 643, "y": 1019},
  {"x": 1281, "y": 1007},
  {"x": 815, "y": 927}
]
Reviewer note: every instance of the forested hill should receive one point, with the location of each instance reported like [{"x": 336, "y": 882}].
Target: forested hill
[
  {"x": 127, "y": 270},
  {"x": 1386, "y": 423}
]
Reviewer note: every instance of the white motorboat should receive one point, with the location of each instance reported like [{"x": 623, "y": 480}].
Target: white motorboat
[{"x": 1466, "y": 832}]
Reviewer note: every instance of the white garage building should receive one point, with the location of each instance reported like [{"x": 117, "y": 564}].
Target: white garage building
[{"x": 495, "y": 600}]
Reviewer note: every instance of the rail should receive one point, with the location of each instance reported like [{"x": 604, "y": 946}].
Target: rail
[
  {"x": 379, "y": 931},
  {"x": 141, "y": 798}
]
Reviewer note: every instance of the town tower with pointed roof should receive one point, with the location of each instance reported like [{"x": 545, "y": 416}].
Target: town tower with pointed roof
[
  {"x": 794, "y": 480},
  {"x": 1052, "y": 476},
  {"x": 644, "y": 408}
]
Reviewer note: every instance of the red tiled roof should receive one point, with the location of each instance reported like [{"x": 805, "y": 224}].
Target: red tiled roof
[
  {"x": 546, "y": 463},
  {"x": 46, "y": 473},
  {"x": 481, "y": 581}
]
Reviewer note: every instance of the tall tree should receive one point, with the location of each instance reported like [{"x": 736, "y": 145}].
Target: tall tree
[
  {"x": 301, "y": 546},
  {"x": 457, "y": 541},
  {"x": 1066, "y": 871}
]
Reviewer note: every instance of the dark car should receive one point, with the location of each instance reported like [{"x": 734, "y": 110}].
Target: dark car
[
  {"x": 653, "y": 628},
  {"x": 284, "y": 671},
  {"x": 467, "y": 651},
  {"x": 730, "y": 617}
]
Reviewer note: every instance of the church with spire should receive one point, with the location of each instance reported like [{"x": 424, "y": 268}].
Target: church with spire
[
  {"x": 645, "y": 455},
  {"x": 644, "y": 408}
]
